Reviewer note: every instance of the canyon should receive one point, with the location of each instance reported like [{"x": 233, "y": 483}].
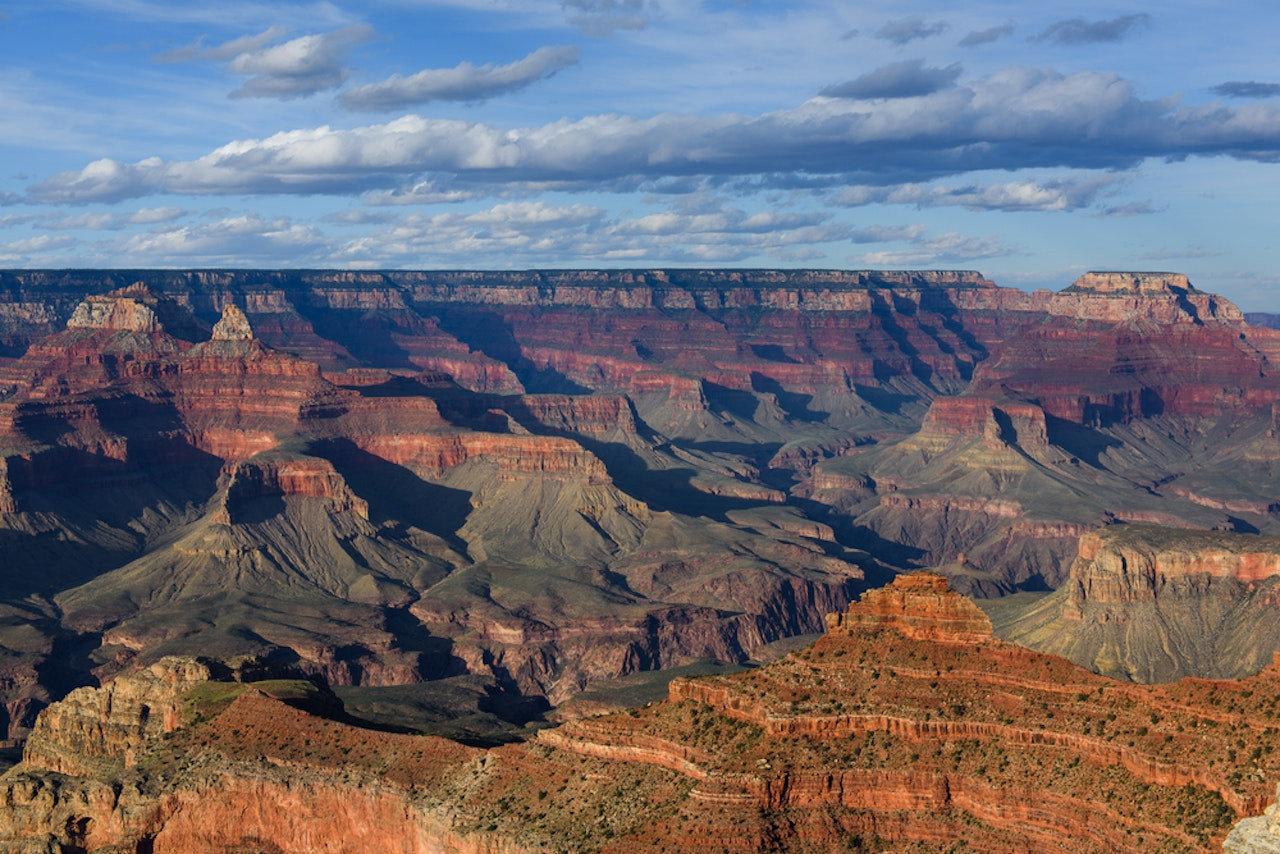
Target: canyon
[
  {"x": 904, "y": 726},
  {"x": 456, "y": 500}
]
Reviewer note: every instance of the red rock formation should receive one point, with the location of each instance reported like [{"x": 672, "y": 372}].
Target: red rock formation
[
  {"x": 1134, "y": 563},
  {"x": 920, "y": 606},
  {"x": 310, "y": 477},
  {"x": 1155, "y": 603},
  {"x": 92, "y": 725},
  {"x": 973, "y": 741}
]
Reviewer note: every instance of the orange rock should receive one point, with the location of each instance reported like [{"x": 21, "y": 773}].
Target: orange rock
[{"x": 920, "y": 606}]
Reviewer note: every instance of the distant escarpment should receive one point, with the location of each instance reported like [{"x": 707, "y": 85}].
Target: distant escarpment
[
  {"x": 904, "y": 727},
  {"x": 1154, "y": 604},
  {"x": 542, "y": 479}
]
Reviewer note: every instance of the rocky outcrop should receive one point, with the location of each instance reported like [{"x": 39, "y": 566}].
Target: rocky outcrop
[
  {"x": 1153, "y": 603},
  {"x": 1122, "y": 565},
  {"x": 117, "y": 313},
  {"x": 264, "y": 477},
  {"x": 1257, "y": 834},
  {"x": 550, "y": 456},
  {"x": 1161, "y": 284},
  {"x": 91, "y": 726},
  {"x": 920, "y": 606},
  {"x": 233, "y": 326}
]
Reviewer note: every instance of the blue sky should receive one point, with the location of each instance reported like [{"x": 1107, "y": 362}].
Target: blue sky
[{"x": 1024, "y": 140}]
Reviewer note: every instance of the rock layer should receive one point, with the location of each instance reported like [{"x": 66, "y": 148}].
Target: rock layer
[
  {"x": 873, "y": 737},
  {"x": 1154, "y": 604}
]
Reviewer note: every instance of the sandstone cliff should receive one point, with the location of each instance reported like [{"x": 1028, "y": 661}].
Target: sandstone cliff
[
  {"x": 1255, "y": 835},
  {"x": 1154, "y": 604}
]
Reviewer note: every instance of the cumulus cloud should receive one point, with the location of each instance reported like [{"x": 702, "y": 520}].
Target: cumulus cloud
[
  {"x": 1075, "y": 31},
  {"x": 949, "y": 248},
  {"x": 600, "y": 18},
  {"x": 529, "y": 233},
  {"x": 905, "y": 79},
  {"x": 1017, "y": 118},
  {"x": 421, "y": 193},
  {"x": 197, "y": 50},
  {"x": 463, "y": 82},
  {"x": 300, "y": 67},
  {"x": 151, "y": 216},
  {"x": 232, "y": 240},
  {"x": 1055, "y": 195},
  {"x": 980, "y": 37},
  {"x": 904, "y": 30},
  {"x": 1246, "y": 89},
  {"x": 28, "y": 248}
]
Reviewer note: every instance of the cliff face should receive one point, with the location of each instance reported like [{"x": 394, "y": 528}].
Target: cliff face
[
  {"x": 93, "y": 728},
  {"x": 1153, "y": 604}
]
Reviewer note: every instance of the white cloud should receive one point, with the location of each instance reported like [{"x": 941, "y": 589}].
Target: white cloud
[
  {"x": 1054, "y": 195},
  {"x": 514, "y": 234},
  {"x": 422, "y": 193},
  {"x": 197, "y": 50},
  {"x": 30, "y": 249},
  {"x": 299, "y": 67},
  {"x": 150, "y": 216},
  {"x": 234, "y": 240},
  {"x": 463, "y": 82},
  {"x": 948, "y": 248},
  {"x": 1014, "y": 119}
]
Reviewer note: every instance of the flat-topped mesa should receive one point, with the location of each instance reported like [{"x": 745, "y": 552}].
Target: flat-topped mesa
[
  {"x": 919, "y": 606},
  {"x": 233, "y": 326},
  {"x": 121, "y": 310},
  {"x": 270, "y": 476},
  {"x": 789, "y": 290},
  {"x": 1132, "y": 283},
  {"x": 1135, "y": 563},
  {"x": 1000, "y": 422}
]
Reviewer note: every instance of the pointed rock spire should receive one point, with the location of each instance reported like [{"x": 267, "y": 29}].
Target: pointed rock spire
[{"x": 233, "y": 326}]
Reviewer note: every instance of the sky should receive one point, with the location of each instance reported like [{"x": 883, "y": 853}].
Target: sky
[{"x": 1029, "y": 141}]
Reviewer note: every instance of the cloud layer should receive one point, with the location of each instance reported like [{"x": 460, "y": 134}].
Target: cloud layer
[
  {"x": 463, "y": 82},
  {"x": 909, "y": 29},
  {"x": 300, "y": 67},
  {"x": 1077, "y": 31},
  {"x": 896, "y": 80},
  {"x": 1247, "y": 89},
  {"x": 1017, "y": 118}
]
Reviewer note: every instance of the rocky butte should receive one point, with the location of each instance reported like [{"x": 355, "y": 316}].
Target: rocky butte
[{"x": 1153, "y": 604}]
